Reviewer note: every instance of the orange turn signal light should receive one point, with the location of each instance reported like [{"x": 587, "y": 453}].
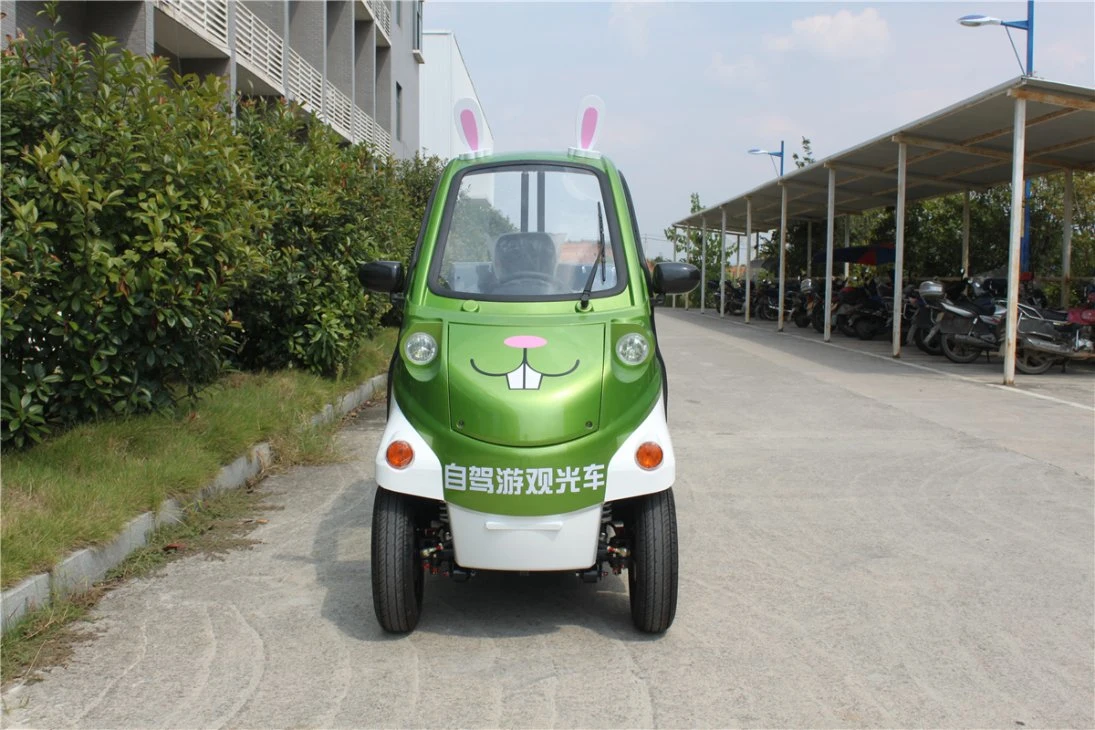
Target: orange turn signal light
[
  {"x": 649, "y": 455},
  {"x": 399, "y": 454}
]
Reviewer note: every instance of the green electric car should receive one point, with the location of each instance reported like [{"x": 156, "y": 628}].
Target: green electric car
[{"x": 527, "y": 396}]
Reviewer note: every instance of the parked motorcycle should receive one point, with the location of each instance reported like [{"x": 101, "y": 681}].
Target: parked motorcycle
[
  {"x": 971, "y": 325},
  {"x": 1046, "y": 337},
  {"x": 804, "y": 299}
]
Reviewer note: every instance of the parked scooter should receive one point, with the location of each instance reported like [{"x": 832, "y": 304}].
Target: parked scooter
[{"x": 971, "y": 325}]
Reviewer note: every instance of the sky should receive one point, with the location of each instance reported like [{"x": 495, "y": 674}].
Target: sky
[{"x": 689, "y": 87}]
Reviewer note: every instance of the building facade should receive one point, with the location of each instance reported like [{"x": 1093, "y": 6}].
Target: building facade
[
  {"x": 445, "y": 80},
  {"x": 352, "y": 63}
]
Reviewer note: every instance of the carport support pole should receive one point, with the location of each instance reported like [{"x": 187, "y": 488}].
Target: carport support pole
[
  {"x": 748, "y": 258},
  {"x": 703, "y": 263},
  {"x": 899, "y": 253},
  {"x": 809, "y": 248},
  {"x": 847, "y": 243},
  {"x": 677, "y": 232},
  {"x": 965, "y": 233},
  {"x": 1018, "y": 152},
  {"x": 782, "y": 252},
  {"x": 829, "y": 235},
  {"x": 722, "y": 267},
  {"x": 1066, "y": 241}
]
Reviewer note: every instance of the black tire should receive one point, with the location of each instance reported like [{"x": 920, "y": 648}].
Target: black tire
[
  {"x": 652, "y": 569},
  {"x": 398, "y": 579},
  {"x": 867, "y": 327},
  {"x": 801, "y": 318},
  {"x": 845, "y": 326},
  {"x": 817, "y": 318},
  {"x": 931, "y": 345},
  {"x": 956, "y": 352},
  {"x": 1032, "y": 362}
]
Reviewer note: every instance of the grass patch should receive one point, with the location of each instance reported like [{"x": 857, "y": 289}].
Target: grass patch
[
  {"x": 45, "y": 638},
  {"x": 80, "y": 488}
]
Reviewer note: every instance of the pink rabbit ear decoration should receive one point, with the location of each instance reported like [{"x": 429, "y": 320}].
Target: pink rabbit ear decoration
[
  {"x": 591, "y": 113},
  {"x": 468, "y": 118}
]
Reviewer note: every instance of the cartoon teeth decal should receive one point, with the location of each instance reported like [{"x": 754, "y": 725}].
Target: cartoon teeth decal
[{"x": 525, "y": 377}]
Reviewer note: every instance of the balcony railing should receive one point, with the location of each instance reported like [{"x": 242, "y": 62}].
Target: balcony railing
[
  {"x": 260, "y": 46},
  {"x": 383, "y": 14},
  {"x": 367, "y": 130},
  {"x": 340, "y": 112},
  {"x": 305, "y": 83},
  {"x": 263, "y": 49},
  {"x": 209, "y": 18}
]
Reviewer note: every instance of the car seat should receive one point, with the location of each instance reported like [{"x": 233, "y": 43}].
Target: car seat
[{"x": 524, "y": 252}]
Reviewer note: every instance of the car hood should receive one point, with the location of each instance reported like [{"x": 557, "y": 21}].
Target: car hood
[{"x": 525, "y": 386}]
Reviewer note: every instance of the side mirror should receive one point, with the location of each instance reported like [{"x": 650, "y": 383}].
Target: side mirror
[
  {"x": 675, "y": 278},
  {"x": 381, "y": 276}
]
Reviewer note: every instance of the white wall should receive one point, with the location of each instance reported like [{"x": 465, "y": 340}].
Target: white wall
[{"x": 444, "y": 81}]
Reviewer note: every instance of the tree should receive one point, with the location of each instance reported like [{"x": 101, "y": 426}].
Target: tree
[{"x": 691, "y": 247}]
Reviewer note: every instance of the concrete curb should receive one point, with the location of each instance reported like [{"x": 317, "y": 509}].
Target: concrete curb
[{"x": 84, "y": 568}]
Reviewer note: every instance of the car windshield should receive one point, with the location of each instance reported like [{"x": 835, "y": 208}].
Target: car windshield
[{"x": 528, "y": 232}]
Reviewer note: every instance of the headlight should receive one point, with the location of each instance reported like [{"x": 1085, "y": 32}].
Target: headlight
[
  {"x": 420, "y": 348},
  {"x": 632, "y": 348}
]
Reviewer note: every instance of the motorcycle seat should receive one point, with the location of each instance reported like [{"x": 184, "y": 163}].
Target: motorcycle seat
[
  {"x": 1052, "y": 314},
  {"x": 983, "y": 306}
]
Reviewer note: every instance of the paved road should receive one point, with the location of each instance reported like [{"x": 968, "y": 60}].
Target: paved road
[{"x": 862, "y": 545}]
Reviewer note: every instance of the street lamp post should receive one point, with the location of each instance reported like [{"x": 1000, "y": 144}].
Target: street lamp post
[
  {"x": 759, "y": 151},
  {"x": 976, "y": 21}
]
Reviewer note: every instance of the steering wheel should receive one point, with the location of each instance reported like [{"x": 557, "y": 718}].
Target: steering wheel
[{"x": 533, "y": 276}]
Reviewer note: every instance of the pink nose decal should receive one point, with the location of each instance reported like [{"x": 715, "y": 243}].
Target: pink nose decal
[{"x": 525, "y": 341}]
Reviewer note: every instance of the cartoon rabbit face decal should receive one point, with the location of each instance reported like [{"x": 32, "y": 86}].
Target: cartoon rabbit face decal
[{"x": 524, "y": 377}]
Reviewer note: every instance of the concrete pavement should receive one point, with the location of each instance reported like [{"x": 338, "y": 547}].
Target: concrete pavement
[{"x": 862, "y": 545}]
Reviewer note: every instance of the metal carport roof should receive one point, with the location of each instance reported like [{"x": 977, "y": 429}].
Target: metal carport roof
[
  {"x": 967, "y": 146},
  {"x": 1023, "y": 128}
]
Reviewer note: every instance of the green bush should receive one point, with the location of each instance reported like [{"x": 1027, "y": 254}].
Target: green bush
[
  {"x": 126, "y": 225},
  {"x": 150, "y": 240},
  {"x": 331, "y": 207}
]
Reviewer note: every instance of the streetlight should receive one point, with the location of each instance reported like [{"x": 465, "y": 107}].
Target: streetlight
[
  {"x": 976, "y": 21},
  {"x": 759, "y": 151}
]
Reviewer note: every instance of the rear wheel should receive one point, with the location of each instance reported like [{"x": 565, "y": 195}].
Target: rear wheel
[
  {"x": 957, "y": 352},
  {"x": 398, "y": 579},
  {"x": 652, "y": 570},
  {"x": 1033, "y": 362}
]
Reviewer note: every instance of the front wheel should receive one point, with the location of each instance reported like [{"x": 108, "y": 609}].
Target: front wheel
[
  {"x": 927, "y": 342},
  {"x": 957, "y": 352},
  {"x": 652, "y": 570},
  {"x": 845, "y": 325},
  {"x": 801, "y": 318},
  {"x": 398, "y": 579},
  {"x": 867, "y": 327}
]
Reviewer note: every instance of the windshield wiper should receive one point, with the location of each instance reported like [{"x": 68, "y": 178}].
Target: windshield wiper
[{"x": 600, "y": 258}]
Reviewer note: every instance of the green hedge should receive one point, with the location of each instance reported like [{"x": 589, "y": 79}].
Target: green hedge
[{"x": 150, "y": 241}]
